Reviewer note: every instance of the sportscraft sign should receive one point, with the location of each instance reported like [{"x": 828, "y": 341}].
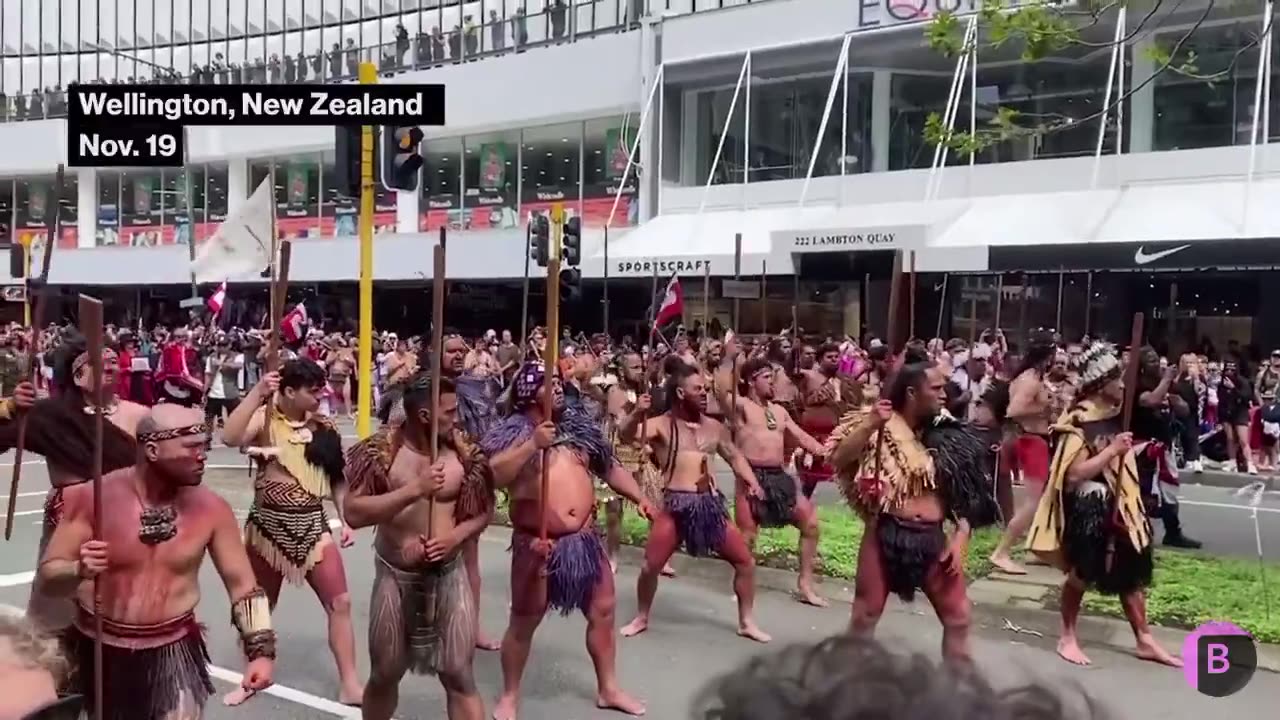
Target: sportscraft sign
[{"x": 142, "y": 125}]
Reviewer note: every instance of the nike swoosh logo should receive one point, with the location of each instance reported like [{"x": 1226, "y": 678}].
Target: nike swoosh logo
[
  {"x": 1142, "y": 258},
  {"x": 938, "y": 288}
]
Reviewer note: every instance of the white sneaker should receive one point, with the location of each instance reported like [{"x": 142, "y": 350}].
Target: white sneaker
[
  {"x": 1229, "y": 466},
  {"x": 1253, "y": 469},
  {"x": 1197, "y": 466}
]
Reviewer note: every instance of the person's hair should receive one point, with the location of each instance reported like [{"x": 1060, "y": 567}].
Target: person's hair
[
  {"x": 673, "y": 364},
  {"x": 915, "y": 352},
  {"x": 301, "y": 373},
  {"x": 22, "y": 645},
  {"x": 71, "y": 346},
  {"x": 828, "y": 347},
  {"x": 749, "y": 370},
  {"x": 908, "y": 377},
  {"x": 681, "y": 372},
  {"x": 996, "y": 398},
  {"x": 1041, "y": 347},
  {"x": 879, "y": 353},
  {"x": 417, "y": 393},
  {"x": 852, "y": 678}
]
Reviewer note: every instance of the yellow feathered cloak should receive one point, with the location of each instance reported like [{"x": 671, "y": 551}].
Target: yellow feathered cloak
[{"x": 1121, "y": 474}]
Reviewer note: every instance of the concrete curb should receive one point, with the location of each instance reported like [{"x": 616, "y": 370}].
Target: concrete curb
[
  {"x": 992, "y": 606},
  {"x": 1231, "y": 481}
]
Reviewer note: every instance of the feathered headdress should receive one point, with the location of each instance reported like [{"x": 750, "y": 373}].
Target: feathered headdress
[{"x": 1097, "y": 366}]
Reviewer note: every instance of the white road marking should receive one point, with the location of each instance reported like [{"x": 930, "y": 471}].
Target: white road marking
[
  {"x": 28, "y": 512},
  {"x": 1227, "y": 506},
  {"x": 22, "y": 578},
  {"x": 26, "y": 494},
  {"x": 288, "y": 693},
  {"x": 9, "y": 464}
]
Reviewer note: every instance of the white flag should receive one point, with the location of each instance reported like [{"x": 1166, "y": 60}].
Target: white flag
[{"x": 241, "y": 247}]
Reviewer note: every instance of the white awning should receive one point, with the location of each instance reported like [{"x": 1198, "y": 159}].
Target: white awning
[{"x": 1139, "y": 214}]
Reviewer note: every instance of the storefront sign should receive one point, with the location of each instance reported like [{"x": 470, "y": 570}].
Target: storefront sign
[
  {"x": 888, "y": 13},
  {"x": 848, "y": 240},
  {"x": 1138, "y": 257},
  {"x": 666, "y": 267},
  {"x": 740, "y": 289},
  {"x": 14, "y": 293}
]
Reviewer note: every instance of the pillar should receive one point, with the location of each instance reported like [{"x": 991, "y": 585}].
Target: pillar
[
  {"x": 406, "y": 211},
  {"x": 86, "y": 207},
  {"x": 237, "y": 183},
  {"x": 881, "y": 119},
  {"x": 1142, "y": 104},
  {"x": 649, "y": 181}
]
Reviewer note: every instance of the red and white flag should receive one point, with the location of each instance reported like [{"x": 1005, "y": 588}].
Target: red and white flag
[
  {"x": 672, "y": 306},
  {"x": 293, "y": 327},
  {"x": 217, "y": 299}
]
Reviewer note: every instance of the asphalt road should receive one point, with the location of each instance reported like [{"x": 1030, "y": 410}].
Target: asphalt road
[{"x": 691, "y": 640}]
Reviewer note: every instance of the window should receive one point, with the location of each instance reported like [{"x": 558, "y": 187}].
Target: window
[
  {"x": 108, "y": 232},
  {"x": 297, "y": 194},
  {"x": 489, "y": 169},
  {"x": 441, "y": 184},
  {"x": 213, "y": 199},
  {"x": 606, "y": 147},
  {"x": 551, "y": 171}
]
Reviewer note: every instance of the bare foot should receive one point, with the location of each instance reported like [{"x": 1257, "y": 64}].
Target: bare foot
[
  {"x": 809, "y": 597},
  {"x": 635, "y": 627},
  {"x": 751, "y": 632},
  {"x": 1006, "y": 565},
  {"x": 668, "y": 571},
  {"x": 1069, "y": 650},
  {"x": 1149, "y": 649},
  {"x": 505, "y": 708},
  {"x": 352, "y": 696},
  {"x": 484, "y": 642},
  {"x": 237, "y": 696},
  {"x": 620, "y": 701}
]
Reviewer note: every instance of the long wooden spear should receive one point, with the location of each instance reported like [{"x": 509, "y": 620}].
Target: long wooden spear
[
  {"x": 91, "y": 328},
  {"x": 551, "y": 358},
  {"x": 38, "y": 306},
  {"x": 437, "y": 360}
]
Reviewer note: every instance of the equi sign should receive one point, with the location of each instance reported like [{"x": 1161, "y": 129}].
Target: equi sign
[{"x": 888, "y": 13}]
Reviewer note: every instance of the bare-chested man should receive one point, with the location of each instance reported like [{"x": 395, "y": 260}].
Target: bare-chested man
[
  {"x": 693, "y": 513},
  {"x": 825, "y": 396},
  {"x": 763, "y": 431},
  {"x": 157, "y": 524},
  {"x": 628, "y": 384},
  {"x": 422, "y": 614},
  {"x": 300, "y": 465},
  {"x": 1027, "y": 442},
  {"x": 60, "y": 429},
  {"x": 570, "y": 570}
]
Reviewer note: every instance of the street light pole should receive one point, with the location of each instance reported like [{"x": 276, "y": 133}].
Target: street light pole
[{"x": 186, "y": 174}]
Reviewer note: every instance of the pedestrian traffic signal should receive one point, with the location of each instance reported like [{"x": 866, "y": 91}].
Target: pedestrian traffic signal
[
  {"x": 346, "y": 149},
  {"x": 17, "y": 261},
  {"x": 540, "y": 240},
  {"x": 402, "y": 157},
  {"x": 570, "y": 284},
  {"x": 572, "y": 242}
]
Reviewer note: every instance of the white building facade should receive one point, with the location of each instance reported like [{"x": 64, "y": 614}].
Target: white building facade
[{"x": 795, "y": 127}]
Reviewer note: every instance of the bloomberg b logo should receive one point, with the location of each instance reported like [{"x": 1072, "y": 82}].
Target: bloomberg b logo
[{"x": 1219, "y": 659}]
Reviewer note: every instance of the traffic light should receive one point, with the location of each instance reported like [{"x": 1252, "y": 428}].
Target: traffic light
[
  {"x": 17, "y": 261},
  {"x": 571, "y": 284},
  {"x": 346, "y": 147},
  {"x": 572, "y": 247},
  {"x": 402, "y": 157},
  {"x": 540, "y": 240}
]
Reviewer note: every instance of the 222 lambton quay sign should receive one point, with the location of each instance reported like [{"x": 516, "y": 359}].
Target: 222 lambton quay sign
[{"x": 142, "y": 125}]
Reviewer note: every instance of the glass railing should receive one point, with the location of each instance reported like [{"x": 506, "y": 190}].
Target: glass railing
[{"x": 419, "y": 41}]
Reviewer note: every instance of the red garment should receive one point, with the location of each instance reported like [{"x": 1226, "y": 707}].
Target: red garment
[
  {"x": 124, "y": 375},
  {"x": 176, "y": 363}
]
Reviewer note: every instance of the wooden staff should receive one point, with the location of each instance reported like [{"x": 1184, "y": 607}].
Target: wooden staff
[
  {"x": 942, "y": 303},
  {"x": 706, "y": 304},
  {"x": 1023, "y": 331},
  {"x": 437, "y": 360},
  {"x": 764, "y": 297},
  {"x": 911, "y": 295},
  {"x": 38, "y": 306},
  {"x": 551, "y": 359},
  {"x": 891, "y": 338},
  {"x": 279, "y": 293},
  {"x": 999, "y": 299},
  {"x": 1088, "y": 301},
  {"x": 91, "y": 328},
  {"x": 1131, "y": 370},
  {"x": 1062, "y": 277}
]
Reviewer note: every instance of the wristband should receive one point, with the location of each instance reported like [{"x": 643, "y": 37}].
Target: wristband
[{"x": 251, "y": 616}]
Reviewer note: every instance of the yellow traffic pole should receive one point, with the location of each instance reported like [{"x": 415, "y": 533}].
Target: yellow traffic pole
[{"x": 364, "y": 396}]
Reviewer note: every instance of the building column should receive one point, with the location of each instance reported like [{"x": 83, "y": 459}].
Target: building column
[
  {"x": 1142, "y": 104},
  {"x": 407, "y": 211},
  {"x": 86, "y": 207},
  {"x": 881, "y": 119},
  {"x": 649, "y": 181},
  {"x": 237, "y": 183}
]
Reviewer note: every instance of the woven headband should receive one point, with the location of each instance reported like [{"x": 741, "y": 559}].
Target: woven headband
[
  {"x": 108, "y": 358},
  {"x": 173, "y": 433}
]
